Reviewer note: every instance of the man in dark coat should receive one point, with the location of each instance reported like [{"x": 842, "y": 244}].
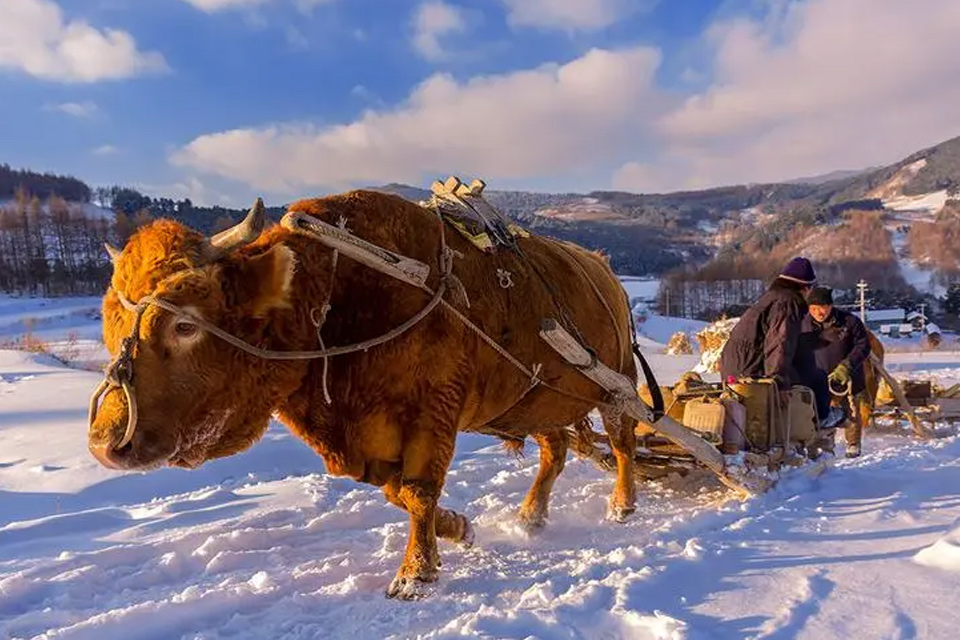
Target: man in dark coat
[
  {"x": 763, "y": 343},
  {"x": 840, "y": 346}
]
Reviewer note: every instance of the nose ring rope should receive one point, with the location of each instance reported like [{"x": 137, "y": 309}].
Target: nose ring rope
[{"x": 119, "y": 375}]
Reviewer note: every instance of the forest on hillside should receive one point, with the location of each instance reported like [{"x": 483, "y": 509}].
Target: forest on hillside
[
  {"x": 51, "y": 238},
  {"x": 41, "y": 185},
  {"x": 51, "y": 247}
]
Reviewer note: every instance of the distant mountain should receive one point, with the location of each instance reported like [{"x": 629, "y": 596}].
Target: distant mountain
[
  {"x": 414, "y": 194},
  {"x": 658, "y": 233},
  {"x": 832, "y": 176},
  {"x": 650, "y": 234}
]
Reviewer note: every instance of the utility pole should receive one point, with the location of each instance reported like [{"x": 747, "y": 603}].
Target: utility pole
[
  {"x": 862, "y": 286},
  {"x": 923, "y": 318},
  {"x": 668, "y": 302}
]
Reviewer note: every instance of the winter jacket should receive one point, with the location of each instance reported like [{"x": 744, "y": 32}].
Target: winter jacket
[
  {"x": 840, "y": 338},
  {"x": 763, "y": 343}
]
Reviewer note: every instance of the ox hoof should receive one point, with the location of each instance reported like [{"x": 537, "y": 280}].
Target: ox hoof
[
  {"x": 621, "y": 514},
  {"x": 466, "y": 540},
  {"x": 532, "y": 523},
  {"x": 414, "y": 588}
]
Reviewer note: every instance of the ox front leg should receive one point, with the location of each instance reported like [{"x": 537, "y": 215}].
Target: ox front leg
[
  {"x": 623, "y": 440},
  {"x": 425, "y": 460},
  {"x": 448, "y": 524},
  {"x": 421, "y": 563},
  {"x": 553, "y": 454}
]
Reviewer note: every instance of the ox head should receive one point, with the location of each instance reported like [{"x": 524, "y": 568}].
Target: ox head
[{"x": 174, "y": 393}]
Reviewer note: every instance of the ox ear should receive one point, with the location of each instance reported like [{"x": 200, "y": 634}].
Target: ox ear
[{"x": 267, "y": 280}]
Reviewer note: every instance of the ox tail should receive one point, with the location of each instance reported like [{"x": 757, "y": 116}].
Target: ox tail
[
  {"x": 655, "y": 392},
  {"x": 513, "y": 446}
]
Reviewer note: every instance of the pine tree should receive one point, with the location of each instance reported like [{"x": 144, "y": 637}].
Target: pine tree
[{"x": 951, "y": 303}]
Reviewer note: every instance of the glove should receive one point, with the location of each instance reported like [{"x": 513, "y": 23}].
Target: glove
[{"x": 840, "y": 376}]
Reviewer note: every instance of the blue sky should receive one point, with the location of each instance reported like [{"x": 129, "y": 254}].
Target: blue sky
[{"x": 221, "y": 100}]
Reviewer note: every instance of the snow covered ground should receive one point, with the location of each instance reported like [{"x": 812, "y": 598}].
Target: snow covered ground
[
  {"x": 928, "y": 203},
  {"x": 655, "y": 331},
  {"x": 644, "y": 288},
  {"x": 265, "y": 545},
  {"x": 67, "y": 327}
]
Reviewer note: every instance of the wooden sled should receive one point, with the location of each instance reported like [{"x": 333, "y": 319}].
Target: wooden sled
[
  {"x": 695, "y": 430},
  {"x": 932, "y": 413}
]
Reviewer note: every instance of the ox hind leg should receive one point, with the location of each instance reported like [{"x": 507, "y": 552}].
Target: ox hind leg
[
  {"x": 623, "y": 440},
  {"x": 553, "y": 455}
]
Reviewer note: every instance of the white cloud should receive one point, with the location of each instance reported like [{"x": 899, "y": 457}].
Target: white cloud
[
  {"x": 433, "y": 21},
  {"x": 191, "y": 188},
  {"x": 571, "y": 15},
  {"x": 549, "y": 121},
  {"x": 213, "y": 6},
  {"x": 105, "y": 150},
  {"x": 36, "y": 39},
  {"x": 85, "y": 109},
  {"x": 823, "y": 85},
  {"x": 813, "y": 86}
]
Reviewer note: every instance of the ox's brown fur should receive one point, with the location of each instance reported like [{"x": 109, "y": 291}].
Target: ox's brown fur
[{"x": 395, "y": 409}]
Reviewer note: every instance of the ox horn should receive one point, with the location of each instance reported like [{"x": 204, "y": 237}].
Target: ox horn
[
  {"x": 241, "y": 234},
  {"x": 113, "y": 252}
]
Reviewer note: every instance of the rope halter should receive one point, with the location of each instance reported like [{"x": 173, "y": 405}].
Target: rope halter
[{"x": 119, "y": 374}]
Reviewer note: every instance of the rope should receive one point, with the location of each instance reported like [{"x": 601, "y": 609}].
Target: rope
[
  {"x": 848, "y": 392},
  {"x": 320, "y": 320},
  {"x": 271, "y": 354}
]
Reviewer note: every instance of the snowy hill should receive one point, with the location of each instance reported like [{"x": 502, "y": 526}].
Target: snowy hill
[{"x": 266, "y": 545}]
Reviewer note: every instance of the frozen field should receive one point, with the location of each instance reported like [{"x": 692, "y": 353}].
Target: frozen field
[{"x": 265, "y": 545}]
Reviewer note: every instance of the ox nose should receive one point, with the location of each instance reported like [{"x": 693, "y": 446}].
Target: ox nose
[{"x": 109, "y": 456}]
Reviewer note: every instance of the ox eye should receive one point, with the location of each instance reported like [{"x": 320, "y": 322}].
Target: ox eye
[{"x": 185, "y": 329}]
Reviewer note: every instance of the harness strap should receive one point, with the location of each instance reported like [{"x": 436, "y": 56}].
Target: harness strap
[
  {"x": 273, "y": 354},
  {"x": 655, "y": 393}
]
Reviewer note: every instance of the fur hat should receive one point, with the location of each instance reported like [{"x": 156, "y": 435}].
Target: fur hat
[
  {"x": 799, "y": 270},
  {"x": 821, "y": 296}
]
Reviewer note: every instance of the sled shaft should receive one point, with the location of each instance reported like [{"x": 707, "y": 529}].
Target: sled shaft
[
  {"x": 618, "y": 384},
  {"x": 918, "y": 428}
]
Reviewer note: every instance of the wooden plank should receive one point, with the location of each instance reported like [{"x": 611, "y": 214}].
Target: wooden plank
[
  {"x": 574, "y": 353},
  {"x": 393, "y": 264}
]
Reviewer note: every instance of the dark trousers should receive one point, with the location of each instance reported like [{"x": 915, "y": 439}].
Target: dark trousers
[{"x": 817, "y": 381}]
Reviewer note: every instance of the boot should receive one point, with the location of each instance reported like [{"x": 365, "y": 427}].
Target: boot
[
  {"x": 853, "y": 451},
  {"x": 834, "y": 417}
]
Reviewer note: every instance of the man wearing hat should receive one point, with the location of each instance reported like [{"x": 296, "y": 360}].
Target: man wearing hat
[
  {"x": 840, "y": 345},
  {"x": 763, "y": 343}
]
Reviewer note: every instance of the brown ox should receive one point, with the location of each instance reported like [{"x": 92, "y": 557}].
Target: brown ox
[
  {"x": 867, "y": 401},
  {"x": 394, "y": 410}
]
